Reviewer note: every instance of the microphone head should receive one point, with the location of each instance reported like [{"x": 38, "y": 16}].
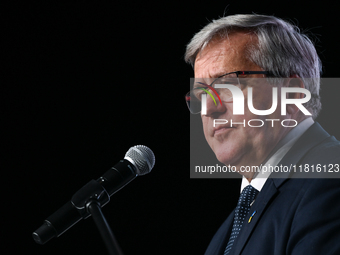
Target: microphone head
[{"x": 142, "y": 158}]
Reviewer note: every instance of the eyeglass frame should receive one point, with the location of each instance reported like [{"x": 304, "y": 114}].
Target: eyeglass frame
[{"x": 237, "y": 74}]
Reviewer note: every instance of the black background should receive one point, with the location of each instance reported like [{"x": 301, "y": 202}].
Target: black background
[{"x": 83, "y": 82}]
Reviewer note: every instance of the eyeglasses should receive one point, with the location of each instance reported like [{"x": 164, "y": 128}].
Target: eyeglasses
[{"x": 194, "y": 97}]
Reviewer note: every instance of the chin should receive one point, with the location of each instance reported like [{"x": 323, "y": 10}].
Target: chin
[{"x": 226, "y": 154}]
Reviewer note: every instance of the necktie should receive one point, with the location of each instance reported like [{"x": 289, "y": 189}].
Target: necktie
[{"x": 242, "y": 209}]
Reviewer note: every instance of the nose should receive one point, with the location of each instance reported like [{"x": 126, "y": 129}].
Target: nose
[{"x": 214, "y": 106}]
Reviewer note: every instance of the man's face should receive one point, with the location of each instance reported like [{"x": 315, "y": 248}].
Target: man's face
[{"x": 237, "y": 145}]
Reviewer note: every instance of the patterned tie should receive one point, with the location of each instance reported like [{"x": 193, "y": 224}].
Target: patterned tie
[{"x": 242, "y": 209}]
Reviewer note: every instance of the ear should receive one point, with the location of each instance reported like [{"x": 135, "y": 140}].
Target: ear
[{"x": 294, "y": 81}]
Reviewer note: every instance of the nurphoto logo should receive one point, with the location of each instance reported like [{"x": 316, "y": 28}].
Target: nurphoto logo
[{"x": 238, "y": 100}]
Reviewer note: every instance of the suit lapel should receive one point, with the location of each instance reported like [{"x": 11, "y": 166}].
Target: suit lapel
[
  {"x": 311, "y": 138},
  {"x": 224, "y": 234},
  {"x": 221, "y": 238}
]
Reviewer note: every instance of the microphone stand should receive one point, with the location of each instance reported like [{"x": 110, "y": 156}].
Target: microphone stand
[
  {"x": 85, "y": 202},
  {"x": 88, "y": 201},
  {"x": 93, "y": 207}
]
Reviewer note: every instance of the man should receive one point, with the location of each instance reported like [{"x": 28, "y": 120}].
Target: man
[{"x": 274, "y": 215}]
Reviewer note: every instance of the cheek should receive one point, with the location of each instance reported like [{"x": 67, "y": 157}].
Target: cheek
[{"x": 262, "y": 99}]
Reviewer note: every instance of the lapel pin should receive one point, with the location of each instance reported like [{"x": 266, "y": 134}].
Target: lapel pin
[{"x": 251, "y": 217}]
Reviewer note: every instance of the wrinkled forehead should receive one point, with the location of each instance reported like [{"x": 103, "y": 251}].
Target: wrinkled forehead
[{"x": 222, "y": 55}]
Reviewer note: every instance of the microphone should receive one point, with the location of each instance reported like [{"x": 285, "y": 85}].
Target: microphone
[{"x": 138, "y": 160}]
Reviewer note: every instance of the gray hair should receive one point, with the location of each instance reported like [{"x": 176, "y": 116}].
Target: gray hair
[{"x": 280, "y": 49}]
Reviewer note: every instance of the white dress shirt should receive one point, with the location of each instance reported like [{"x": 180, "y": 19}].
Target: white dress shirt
[{"x": 278, "y": 153}]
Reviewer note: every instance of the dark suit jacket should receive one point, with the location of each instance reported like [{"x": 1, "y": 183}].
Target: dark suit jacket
[{"x": 293, "y": 216}]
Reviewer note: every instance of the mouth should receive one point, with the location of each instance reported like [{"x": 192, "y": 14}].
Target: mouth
[{"x": 221, "y": 130}]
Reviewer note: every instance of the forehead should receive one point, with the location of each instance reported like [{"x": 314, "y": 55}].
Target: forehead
[{"x": 224, "y": 55}]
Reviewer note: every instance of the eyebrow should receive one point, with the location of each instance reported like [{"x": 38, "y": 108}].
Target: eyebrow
[
  {"x": 216, "y": 76},
  {"x": 219, "y": 74}
]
